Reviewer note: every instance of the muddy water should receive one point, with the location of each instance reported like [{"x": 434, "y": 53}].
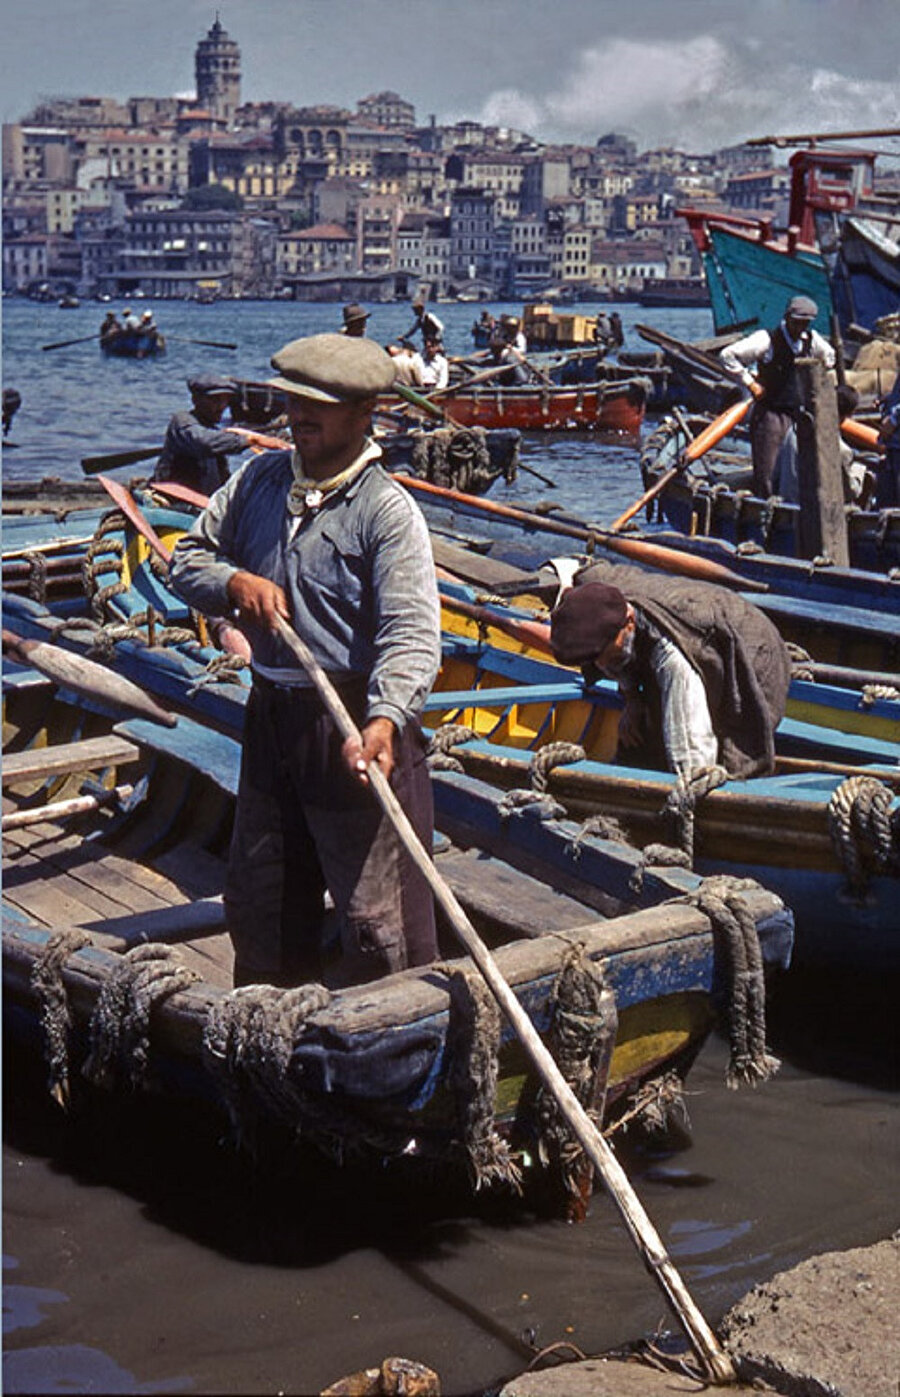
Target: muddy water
[{"x": 142, "y": 1255}]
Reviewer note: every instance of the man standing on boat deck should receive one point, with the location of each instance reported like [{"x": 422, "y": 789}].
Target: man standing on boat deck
[
  {"x": 775, "y": 354},
  {"x": 323, "y": 537},
  {"x": 703, "y": 672},
  {"x": 196, "y": 445}
]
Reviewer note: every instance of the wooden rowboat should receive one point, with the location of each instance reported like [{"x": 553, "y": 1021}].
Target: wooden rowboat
[
  {"x": 99, "y": 930},
  {"x": 716, "y": 501},
  {"x": 133, "y": 344},
  {"x": 600, "y": 406}
]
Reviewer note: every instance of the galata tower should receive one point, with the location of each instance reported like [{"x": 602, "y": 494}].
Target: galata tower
[{"x": 217, "y": 66}]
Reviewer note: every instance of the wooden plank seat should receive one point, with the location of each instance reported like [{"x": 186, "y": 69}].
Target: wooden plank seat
[{"x": 90, "y": 754}]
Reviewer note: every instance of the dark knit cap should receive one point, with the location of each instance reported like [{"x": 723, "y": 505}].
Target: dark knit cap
[{"x": 585, "y": 621}]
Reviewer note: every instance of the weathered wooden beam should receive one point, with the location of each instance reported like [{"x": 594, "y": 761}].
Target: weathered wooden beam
[
  {"x": 87, "y": 755},
  {"x": 822, "y": 521}
]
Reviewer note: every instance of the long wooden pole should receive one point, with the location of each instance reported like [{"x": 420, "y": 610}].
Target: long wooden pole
[
  {"x": 713, "y": 1357},
  {"x": 62, "y": 809},
  {"x": 653, "y": 554}
]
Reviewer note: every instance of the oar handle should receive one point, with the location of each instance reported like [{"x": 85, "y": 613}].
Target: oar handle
[{"x": 713, "y": 1357}]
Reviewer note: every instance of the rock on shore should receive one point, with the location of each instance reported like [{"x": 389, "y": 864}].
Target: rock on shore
[{"x": 826, "y": 1328}]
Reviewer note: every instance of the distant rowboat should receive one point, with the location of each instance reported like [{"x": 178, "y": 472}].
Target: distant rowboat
[{"x": 133, "y": 344}]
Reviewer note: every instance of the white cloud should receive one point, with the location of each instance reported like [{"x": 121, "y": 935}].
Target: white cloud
[{"x": 694, "y": 93}]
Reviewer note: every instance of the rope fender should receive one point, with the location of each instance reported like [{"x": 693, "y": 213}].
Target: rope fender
[
  {"x": 120, "y": 1023},
  {"x": 473, "y": 1043},
  {"x": 682, "y": 802},
  {"x": 546, "y": 758},
  {"x": 248, "y": 1040},
  {"x": 447, "y": 736},
  {"x": 55, "y": 1015},
  {"x": 863, "y": 832},
  {"x": 719, "y": 899}
]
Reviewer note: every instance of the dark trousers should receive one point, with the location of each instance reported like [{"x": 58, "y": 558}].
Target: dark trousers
[
  {"x": 304, "y": 824},
  {"x": 768, "y": 430}
]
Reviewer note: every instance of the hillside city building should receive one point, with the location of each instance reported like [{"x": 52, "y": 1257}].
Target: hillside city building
[{"x": 210, "y": 196}]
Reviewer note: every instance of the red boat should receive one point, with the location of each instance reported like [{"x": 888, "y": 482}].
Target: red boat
[{"x": 605, "y": 407}]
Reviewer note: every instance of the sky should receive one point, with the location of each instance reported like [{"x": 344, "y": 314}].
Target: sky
[{"x": 696, "y": 74}]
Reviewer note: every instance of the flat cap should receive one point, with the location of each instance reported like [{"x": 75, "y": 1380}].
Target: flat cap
[
  {"x": 585, "y": 621},
  {"x": 802, "y": 308},
  {"x": 333, "y": 368},
  {"x": 211, "y": 383}
]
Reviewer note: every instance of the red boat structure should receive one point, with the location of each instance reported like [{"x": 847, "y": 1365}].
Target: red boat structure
[{"x": 603, "y": 406}]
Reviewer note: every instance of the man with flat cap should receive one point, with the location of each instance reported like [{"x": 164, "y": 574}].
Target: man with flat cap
[
  {"x": 323, "y": 537},
  {"x": 355, "y": 317},
  {"x": 196, "y": 444},
  {"x": 775, "y": 352},
  {"x": 704, "y": 674}
]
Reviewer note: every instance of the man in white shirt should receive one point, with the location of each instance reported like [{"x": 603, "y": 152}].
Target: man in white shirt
[
  {"x": 436, "y": 370},
  {"x": 774, "y": 353}
]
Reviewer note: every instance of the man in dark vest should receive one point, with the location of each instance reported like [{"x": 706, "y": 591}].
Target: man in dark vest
[
  {"x": 704, "y": 674},
  {"x": 774, "y": 353}
]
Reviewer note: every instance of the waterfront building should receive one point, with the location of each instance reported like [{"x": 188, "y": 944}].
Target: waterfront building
[
  {"x": 626, "y": 264},
  {"x": 326, "y": 247},
  {"x": 217, "y": 69},
  {"x": 245, "y": 162},
  {"x": 472, "y": 225},
  {"x": 378, "y": 219},
  {"x": 182, "y": 252},
  {"x": 423, "y": 250},
  {"x": 24, "y": 261},
  {"x": 387, "y": 109}
]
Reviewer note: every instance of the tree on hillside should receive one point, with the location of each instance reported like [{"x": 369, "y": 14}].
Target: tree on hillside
[{"x": 212, "y": 196}]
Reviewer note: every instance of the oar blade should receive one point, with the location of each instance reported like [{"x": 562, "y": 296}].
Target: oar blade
[
  {"x": 87, "y": 678},
  {"x": 109, "y": 460}
]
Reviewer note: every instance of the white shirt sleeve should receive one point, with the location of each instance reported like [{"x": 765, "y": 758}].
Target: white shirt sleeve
[
  {"x": 737, "y": 358},
  {"x": 688, "y": 735}
]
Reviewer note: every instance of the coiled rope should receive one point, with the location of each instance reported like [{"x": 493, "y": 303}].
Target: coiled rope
[
  {"x": 447, "y": 736},
  {"x": 546, "y": 758}
]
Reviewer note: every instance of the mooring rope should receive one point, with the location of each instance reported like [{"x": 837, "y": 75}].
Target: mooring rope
[
  {"x": 720, "y": 900},
  {"x": 221, "y": 669},
  {"x": 683, "y": 798},
  {"x": 120, "y": 1023},
  {"x": 551, "y": 755},
  {"x": 518, "y": 799},
  {"x": 863, "y": 831},
  {"x": 871, "y": 693},
  {"x": 55, "y": 1015},
  {"x": 473, "y": 1043}
]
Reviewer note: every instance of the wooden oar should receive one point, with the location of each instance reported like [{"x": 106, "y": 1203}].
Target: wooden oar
[
  {"x": 109, "y": 460},
  {"x": 703, "y": 442},
  {"x": 85, "y": 677},
  {"x": 403, "y": 390},
  {"x": 213, "y": 344},
  {"x": 229, "y": 637},
  {"x": 713, "y": 1357},
  {"x": 654, "y": 555},
  {"x": 63, "y": 344},
  {"x": 535, "y": 634}
]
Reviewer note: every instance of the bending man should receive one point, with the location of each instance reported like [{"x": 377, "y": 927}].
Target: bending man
[
  {"x": 704, "y": 674},
  {"x": 324, "y": 538}
]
